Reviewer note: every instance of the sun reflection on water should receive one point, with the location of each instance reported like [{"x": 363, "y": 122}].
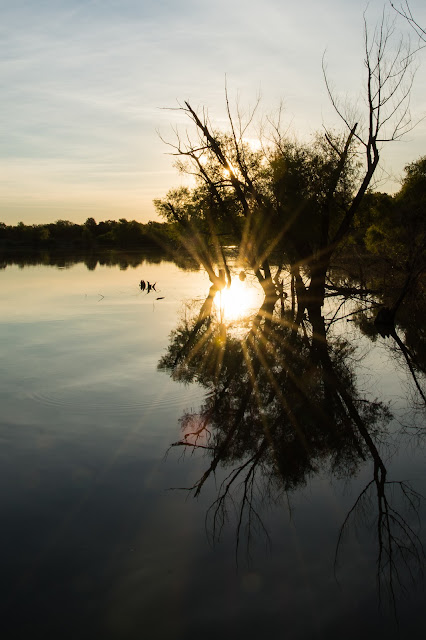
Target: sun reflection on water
[{"x": 239, "y": 301}]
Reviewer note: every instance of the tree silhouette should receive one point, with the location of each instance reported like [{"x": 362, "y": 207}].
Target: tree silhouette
[
  {"x": 282, "y": 404},
  {"x": 296, "y": 202}
]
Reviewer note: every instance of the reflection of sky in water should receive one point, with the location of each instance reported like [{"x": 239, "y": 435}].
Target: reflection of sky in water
[
  {"x": 85, "y": 422},
  {"x": 88, "y": 525},
  {"x": 377, "y": 369},
  {"x": 80, "y": 343}
]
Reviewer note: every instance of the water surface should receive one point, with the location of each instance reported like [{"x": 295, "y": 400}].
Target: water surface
[{"x": 97, "y": 540}]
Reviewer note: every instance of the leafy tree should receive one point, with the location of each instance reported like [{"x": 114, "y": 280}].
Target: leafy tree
[
  {"x": 91, "y": 225},
  {"x": 398, "y": 230}
]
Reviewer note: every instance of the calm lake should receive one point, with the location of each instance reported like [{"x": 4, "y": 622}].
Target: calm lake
[{"x": 100, "y": 539}]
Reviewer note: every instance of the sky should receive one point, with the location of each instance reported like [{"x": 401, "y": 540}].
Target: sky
[{"x": 89, "y": 90}]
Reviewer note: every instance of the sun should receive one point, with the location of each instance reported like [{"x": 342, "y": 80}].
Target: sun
[{"x": 240, "y": 300}]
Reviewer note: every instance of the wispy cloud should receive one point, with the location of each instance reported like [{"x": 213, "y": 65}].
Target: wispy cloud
[{"x": 84, "y": 82}]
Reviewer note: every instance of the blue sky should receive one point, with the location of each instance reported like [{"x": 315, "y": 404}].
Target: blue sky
[{"x": 85, "y": 85}]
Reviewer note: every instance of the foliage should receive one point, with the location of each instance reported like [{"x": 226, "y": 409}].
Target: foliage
[
  {"x": 397, "y": 231},
  {"x": 287, "y": 198},
  {"x": 66, "y": 235}
]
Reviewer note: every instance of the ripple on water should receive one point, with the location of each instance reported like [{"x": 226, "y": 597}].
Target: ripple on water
[{"x": 92, "y": 403}]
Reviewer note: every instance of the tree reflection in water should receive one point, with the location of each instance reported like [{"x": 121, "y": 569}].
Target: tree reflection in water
[{"x": 283, "y": 404}]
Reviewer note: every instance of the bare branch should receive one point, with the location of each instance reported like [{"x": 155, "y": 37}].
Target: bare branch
[{"x": 406, "y": 13}]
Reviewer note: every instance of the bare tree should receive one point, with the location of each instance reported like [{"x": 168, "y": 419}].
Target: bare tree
[
  {"x": 405, "y": 11},
  {"x": 389, "y": 79}
]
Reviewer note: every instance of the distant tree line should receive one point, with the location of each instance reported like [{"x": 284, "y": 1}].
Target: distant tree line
[{"x": 63, "y": 234}]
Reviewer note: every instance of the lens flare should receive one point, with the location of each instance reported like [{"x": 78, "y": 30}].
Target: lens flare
[{"x": 239, "y": 301}]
